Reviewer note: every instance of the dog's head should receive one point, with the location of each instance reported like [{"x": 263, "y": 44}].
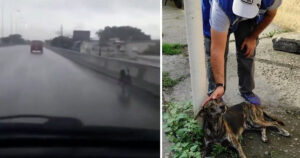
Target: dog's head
[{"x": 214, "y": 108}]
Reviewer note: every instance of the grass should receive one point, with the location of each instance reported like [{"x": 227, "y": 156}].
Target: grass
[
  {"x": 288, "y": 15},
  {"x": 271, "y": 34},
  {"x": 273, "y": 154},
  {"x": 274, "y": 32},
  {"x": 172, "y": 49},
  {"x": 183, "y": 131},
  {"x": 218, "y": 150},
  {"x": 186, "y": 135},
  {"x": 168, "y": 82}
]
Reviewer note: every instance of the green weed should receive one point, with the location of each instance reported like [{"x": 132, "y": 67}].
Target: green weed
[
  {"x": 167, "y": 81},
  {"x": 172, "y": 49},
  {"x": 275, "y": 32},
  {"x": 183, "y": 131}
]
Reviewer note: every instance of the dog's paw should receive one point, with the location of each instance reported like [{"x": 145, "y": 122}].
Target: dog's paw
[
  {"x": 284, "y": 133},
  {"x": 264, "y": 139}
]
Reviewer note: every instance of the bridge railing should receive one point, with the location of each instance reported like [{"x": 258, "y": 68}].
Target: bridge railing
[{"x": 143, "y": 76}]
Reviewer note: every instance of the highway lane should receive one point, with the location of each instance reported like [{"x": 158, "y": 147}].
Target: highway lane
[{"x": 50, "y": 84}]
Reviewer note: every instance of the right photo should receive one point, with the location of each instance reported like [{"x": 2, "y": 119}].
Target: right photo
[{"x": 230, "y": 78}]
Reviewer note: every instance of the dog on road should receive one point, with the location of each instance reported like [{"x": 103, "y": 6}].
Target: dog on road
[{"x": 222, "y": 124}]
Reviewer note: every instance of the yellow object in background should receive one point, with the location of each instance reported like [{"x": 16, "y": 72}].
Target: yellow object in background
[{"x": 287, "y": 14}]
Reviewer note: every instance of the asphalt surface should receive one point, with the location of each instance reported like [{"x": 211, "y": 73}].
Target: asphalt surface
[{"x": 50, "y": 84}]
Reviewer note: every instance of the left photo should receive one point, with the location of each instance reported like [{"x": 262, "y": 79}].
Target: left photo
[{"x": 80, "y": 78}]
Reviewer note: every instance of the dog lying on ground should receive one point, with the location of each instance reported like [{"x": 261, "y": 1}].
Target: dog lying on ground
[{"x": 221, "y": 124}]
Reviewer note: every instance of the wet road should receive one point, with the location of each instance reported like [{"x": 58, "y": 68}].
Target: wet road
[{"x": 50, "y": 84}]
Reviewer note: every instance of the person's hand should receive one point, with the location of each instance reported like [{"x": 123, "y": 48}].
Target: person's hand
[
  {"x": 218, "y": 93},
  {"x": 250, "y": 44}
]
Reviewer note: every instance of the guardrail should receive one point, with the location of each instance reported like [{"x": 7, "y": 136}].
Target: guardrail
[{"x": 143, "y": 76}]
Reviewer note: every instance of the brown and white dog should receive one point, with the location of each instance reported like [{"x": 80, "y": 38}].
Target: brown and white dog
[{"x": 221, "y": 123}]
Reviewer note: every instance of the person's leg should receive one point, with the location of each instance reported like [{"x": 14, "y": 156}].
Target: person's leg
[
  {"x": 245, "y": 65},
  {"x": 209, "y": 73},
  {"x": 226, "y": 56}
]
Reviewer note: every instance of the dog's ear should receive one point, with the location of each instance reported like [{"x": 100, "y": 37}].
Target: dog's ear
[
  {"x": 200, "y": 113},
  {"x": 204, "y": 109}
]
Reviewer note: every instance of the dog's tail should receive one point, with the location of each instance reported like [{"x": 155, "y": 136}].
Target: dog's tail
[{"x": 268, "y": 115}]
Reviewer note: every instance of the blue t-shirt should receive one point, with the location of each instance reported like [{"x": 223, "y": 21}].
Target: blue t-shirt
[{"x": 219, "y": 20}]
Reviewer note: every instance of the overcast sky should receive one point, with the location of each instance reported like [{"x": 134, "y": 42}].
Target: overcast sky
[{"x": 42, "y": 19}]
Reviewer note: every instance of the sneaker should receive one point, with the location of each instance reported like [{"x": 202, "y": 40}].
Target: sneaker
[{"x": 251, "y": 97}]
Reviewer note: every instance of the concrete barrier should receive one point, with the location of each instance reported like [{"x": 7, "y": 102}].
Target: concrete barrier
[
  {"x": 8, "y": 45},
  {"x": 143, "y": 76}
]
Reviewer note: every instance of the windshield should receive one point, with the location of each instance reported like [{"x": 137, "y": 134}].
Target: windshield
[{"x": 93, "y": 61}]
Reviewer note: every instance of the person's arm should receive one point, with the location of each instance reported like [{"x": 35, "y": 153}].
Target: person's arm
[
  {"x": 250, "y": 42},
  {"x": 217, "y": 60},
  {"x": 220, "y": 23}
]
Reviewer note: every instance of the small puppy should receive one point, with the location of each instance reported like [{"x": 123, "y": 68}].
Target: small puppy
[{"x": 221, "y": 123}]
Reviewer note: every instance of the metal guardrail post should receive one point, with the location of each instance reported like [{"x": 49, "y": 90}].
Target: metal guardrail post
[{"x": 195, "y": 39}]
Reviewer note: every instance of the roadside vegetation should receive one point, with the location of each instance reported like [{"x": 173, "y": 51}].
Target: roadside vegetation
[
  {"x": 172, "y": 49},
  {"x": 168, "y": 82},
  {"x": 123, "y": 33},
  {"x": 13, "y": 39},
  {"x": 274, "y": 32},
  {"x": 182, "y": 130},
  {"x": 62, "y": 42},
  {"x": 186, "y": 135}
]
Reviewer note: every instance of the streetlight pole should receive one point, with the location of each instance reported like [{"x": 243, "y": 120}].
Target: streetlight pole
[
  {"x": 17, "y": 16},
  {"x": 2, "y": 19},
  {"x": 195, "y": 39},
  {"x": 11, "y": 23}
]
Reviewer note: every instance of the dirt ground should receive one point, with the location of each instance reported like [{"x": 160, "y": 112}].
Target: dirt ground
[{"x": 277, "y": 146}]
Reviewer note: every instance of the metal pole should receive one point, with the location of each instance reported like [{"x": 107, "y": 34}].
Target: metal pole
[
  {"x": 195, "y": 39},
  {"x": 2, "y": 19},
  {"x": 61, "y": 30},
  {"x": 16, "y": 22},
  {"x": 17, "y": 18},
  {"x": 12, "y": 17},
  {"x": 11, "y": 23}
]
